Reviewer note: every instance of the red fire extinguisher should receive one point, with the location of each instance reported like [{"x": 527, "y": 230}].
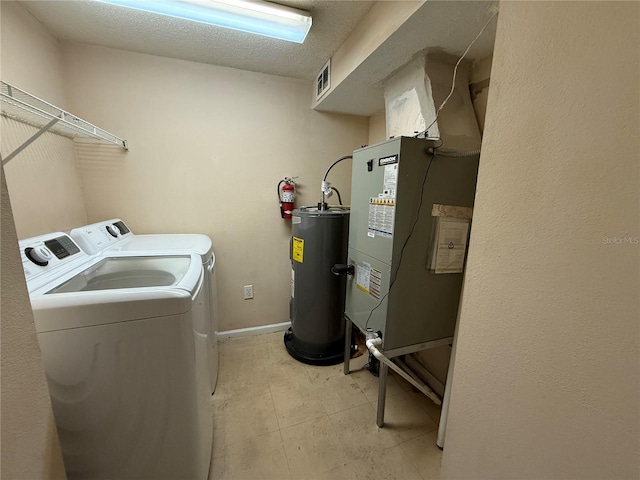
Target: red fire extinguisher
[{"x": 286, "y": 196}]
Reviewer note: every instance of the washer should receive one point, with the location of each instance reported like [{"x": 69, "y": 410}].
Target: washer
[
  {"x": 114, "y": 236},
  {"x": 120, "y": 356}
]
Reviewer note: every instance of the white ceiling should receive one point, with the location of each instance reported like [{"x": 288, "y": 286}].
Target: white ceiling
[
  {"x": 440, "y": 25},
  {"x": 112, "y": 26}
]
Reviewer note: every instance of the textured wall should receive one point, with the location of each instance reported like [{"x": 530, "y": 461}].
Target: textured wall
[
  {"x": 480, "y": 79},
  {"x": 43, "y": 180},
  {"x": 546, "y": 376},
  {"x": 30, "y": 447},
  {"x": 28, "y": 49},
  {"x": 208, "y": 146},
  {"x": 377, "y": 128}
]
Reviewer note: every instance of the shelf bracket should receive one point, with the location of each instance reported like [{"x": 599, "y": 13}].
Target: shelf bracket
[{"x": 29, "y": 141}]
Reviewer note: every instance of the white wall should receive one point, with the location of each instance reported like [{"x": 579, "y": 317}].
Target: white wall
[
  {"x": 43, "y": 180},
  {"x": 208, "y": 146},
  {"x": 377, "y": 128},
  {"x": 546, "y": 376}
]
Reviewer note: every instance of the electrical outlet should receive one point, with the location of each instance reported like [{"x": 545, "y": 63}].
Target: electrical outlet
[{"x": 248, "y": 292}]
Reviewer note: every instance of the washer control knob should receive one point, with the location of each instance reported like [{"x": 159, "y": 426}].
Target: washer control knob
[
  {"x": 39, "y": 255},
  {"x": 113, "y": 231}
]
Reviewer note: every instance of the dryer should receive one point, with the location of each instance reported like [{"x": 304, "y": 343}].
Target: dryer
[
  {"x": 120, "y": 354},
  {"x": 114, "y": 236}
]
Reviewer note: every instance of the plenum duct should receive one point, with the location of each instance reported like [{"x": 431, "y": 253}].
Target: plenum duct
[{"x": 413, "y": 94}]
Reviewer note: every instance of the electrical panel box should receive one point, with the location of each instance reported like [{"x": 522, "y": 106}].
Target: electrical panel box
[{"x": 408, "y": 235}]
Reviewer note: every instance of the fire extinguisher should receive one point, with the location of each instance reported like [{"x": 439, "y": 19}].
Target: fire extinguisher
[{"x": 286, "y": 196}]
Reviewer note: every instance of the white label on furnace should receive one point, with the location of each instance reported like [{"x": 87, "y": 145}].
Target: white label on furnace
[
  {"x": 390, "y": 183},
  {"x": 382, "y": 213},
  {"x": 452, "y": 245},
  {"x": 363, "y": 277},
  {"x": 295, "y": 220}
]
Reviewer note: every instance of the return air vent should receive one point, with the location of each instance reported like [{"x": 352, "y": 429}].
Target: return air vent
[{"x": 323, "y": 80}]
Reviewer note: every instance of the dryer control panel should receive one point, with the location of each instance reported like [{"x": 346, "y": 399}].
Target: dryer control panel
[
  {"x": 97, "y": 237},
  {"x": 54, "y": 252}
]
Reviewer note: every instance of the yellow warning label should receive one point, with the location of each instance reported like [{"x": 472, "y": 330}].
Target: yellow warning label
[{"x": 298, "y": 249}]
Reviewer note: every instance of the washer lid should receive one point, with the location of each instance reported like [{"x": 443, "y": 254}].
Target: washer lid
[
  {"x": 93, "y": 308},
  {"x": 119, "y": 289},
  {"x": 113, "y": 273},
  {"x": 171, "y": 242}
]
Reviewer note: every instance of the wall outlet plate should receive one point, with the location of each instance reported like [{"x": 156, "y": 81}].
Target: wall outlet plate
[{"x": 248, "y": 292}]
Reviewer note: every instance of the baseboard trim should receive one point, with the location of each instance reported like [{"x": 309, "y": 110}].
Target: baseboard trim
[{"x": 248, "y": 332}]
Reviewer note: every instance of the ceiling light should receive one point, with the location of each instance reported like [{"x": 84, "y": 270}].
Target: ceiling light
[{"x": 261, "y": 18}]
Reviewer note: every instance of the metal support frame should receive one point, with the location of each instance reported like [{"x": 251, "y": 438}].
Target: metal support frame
[
  {"x": 347, "y": 344},
  {"x": 30, "y": 140},
  {"x": 384, "y": 369},
  {"x": 382, "y": 393}
]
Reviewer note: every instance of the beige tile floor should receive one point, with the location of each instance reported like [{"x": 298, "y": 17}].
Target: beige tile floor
[{"x": 276, "y": 418}]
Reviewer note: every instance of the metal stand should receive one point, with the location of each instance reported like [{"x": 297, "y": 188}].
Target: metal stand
[
  {"x": 347, "y": 344},
  {"x": 382, "y": 393},
  {"x": 384, "y": 369}
]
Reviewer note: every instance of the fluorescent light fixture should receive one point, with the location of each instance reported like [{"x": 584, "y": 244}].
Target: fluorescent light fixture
[{"x": 253, "y": 16}]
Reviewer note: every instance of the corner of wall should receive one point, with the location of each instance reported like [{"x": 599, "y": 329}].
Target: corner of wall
[{"x": 30, "y": 446}]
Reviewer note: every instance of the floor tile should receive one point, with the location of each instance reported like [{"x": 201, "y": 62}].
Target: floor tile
[
  {"x": 230, "y": 343},
  {"x": 297, "y": 404},
  {"x": 241, "y": 377},
  {"x": 276, "y": 353},
  {"x": 312, "y": 447},
  {"x": 277, "y": 418},
  {"x": 390, "y": 464},
  {"x": 258, "y": 458},
  {"x": 369, "y": 384},
  {"x": 404, "y": 417},
  {"x": 354, "y": 470},
  {"x": 274, "y": 337},
  {"x": 239, "y": 419},
  {"x": 339, "y": 393},
  {"x": 323, "y": 373},
  {"x": 283, "y": 371},
  {"x": 358, "y": 433},
  {"x": 425, "y": 455},
  {"x": 283, "y": 376}
]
